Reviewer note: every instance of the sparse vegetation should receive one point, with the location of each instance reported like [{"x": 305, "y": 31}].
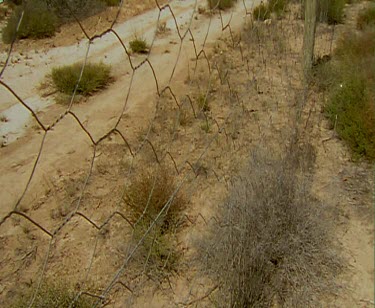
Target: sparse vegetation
[
  {"x": 94, "y": 77},
  {"x": 366, "y": 18},
  {"x": 261, "y": 12},
  {"x": 277, "y": 6},
  {"x": 349, "y": 82},
  {"x": 221, "y": 4},
  {"x": 147, "y": 195},
  {"x": 138, "y": 45},
  {"x": 149, "y": 198},
  {"x": 162, "y": 27},
  {"x": 331, "y": 11},
  {"x": 203, "y": 103},
  {"x": 38, "y": 22},
  {"x": 3, "y": 118},
  {"x": 52, "y": 295},
  {"x": 42, "y": 18},
  {"x": 273, "y": 239},
  {"x": 205, "y": 126},
  {"x": 3, "y": 12}
]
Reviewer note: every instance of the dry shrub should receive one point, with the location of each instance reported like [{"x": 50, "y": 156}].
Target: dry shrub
[
  {"x": 221, "y": 4},
  {"x": 53, "y": 294},
  {"x": 149, "y": 192},
  {"x": 155, "y": 209},
  {"x": 366, "y": 18},
  {"x": 272, "y": 245},
  {"x": 261, "y": 12}
]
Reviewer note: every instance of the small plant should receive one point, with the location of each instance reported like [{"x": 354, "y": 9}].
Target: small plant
[
  {"x": 203, "y": 103},
  {"x": 201, "y": 10},
  {"x": 322, "y": 73},
  {"x": 261, "y": 12},
  {"x": 38, "y": 22},
  {"x": 3, "y": 118},
  {"x": 94, "y": 77},
  {"x": 277, "y": 6},
  {"x": 147, "y": 196},
  {"x": 155, "y": 209},
  {"x": 221, "y": 4},
  {"x": 158, "y": 254},
  {"x": 53, "y": 295},
  {"x": 329, "y": 11},
  {"x": 139, "y": 45},
  {"x": 366, "y": 18},
  {"x": 206, "y": 127},
  {"x": 183, "y": 118},
  {"x": 162, "y": 27}
]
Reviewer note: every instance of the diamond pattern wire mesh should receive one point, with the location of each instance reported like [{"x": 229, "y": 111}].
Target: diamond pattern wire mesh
[{"x": 63, "y": 212}]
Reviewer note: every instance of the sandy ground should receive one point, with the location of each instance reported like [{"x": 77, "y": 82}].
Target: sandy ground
[
  {"x": 26, "y": 76},
  {"x": 252, "y": 94}
]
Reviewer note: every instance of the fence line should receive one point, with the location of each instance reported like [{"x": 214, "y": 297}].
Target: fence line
[{"x": 209, "y": 131}]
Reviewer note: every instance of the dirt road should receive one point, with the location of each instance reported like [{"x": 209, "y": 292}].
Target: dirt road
[{"x": 128, "y": 101}]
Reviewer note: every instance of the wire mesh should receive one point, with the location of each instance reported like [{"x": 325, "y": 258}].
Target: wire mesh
[{"x": 186, "y": 106}]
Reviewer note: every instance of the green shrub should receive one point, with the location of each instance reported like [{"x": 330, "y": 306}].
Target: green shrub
[
  {"x": 353, "y": 111},
  {"x": 350, "y": 84},
  {"x": 94, "y": 77},
  {"x": 323, "y": 73},
  {"x": 52, "y": 295},
  {"x": 38, "y": 22},
  {"x": 221, "y": 4},
  {"x": 331, "y": 11},
  {"x": 366, "y": 18},
  {"x": 112, "y": 2},
  {"x": 352, "y": 100},
  {"x": 16, "y": 2},
  {"x": 203, "y": 103},
  {"x": 158, "y": 253},
  {"x": 261, "y": 12},
  {"x": 355, "y": 46},
  {"x": 277, "y": 6},
  {"x": 4, "y": 11},
  {"x": 138, "y": 45},
  {"x": 67, "y": 9}
]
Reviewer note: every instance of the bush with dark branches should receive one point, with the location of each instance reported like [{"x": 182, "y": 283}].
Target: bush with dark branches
[{"x": 272, "y": 245}]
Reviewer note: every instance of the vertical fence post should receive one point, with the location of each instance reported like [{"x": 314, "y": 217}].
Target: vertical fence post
[{"x": 309, "y": 35}]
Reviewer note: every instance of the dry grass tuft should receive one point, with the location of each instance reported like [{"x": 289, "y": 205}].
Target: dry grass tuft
[
  {"x": 156, "y": 211},
  {"x": 273, "y": 244}
]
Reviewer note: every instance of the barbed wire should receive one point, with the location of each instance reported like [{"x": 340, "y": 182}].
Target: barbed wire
[{"x": 218, "y": 133}]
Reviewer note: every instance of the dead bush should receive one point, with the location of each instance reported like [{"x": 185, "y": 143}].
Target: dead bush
[
  {"x": 272, "y": 245},
  {"x": 155, "y": 211},
  {"x": 149, "y": 192}
]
